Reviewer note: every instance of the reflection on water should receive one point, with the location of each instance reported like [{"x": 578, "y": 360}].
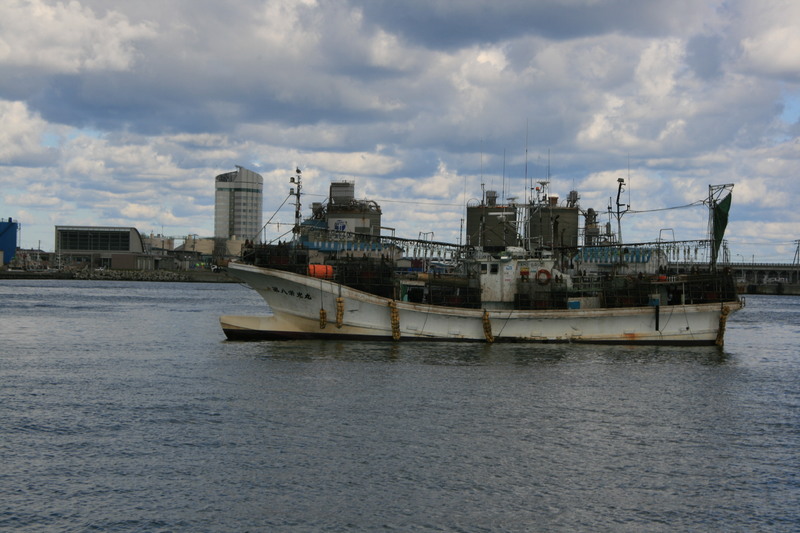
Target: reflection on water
[{"x": 476, "y": 354}]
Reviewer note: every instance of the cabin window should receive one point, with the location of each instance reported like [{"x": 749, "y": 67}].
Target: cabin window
[
  {"x": 494, "y": 268},
  {"x": 484, "y": 268}
]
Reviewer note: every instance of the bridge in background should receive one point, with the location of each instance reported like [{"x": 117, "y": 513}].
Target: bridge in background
[{"x": 756, "y": 273}]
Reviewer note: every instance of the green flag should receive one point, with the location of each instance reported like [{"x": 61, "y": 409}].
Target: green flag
[{"x": 721, "y": 211}]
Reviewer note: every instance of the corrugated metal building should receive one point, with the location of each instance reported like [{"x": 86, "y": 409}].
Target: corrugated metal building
[
  {"x": 8, "y": 240},
  {"x": 101, "y": 246}
]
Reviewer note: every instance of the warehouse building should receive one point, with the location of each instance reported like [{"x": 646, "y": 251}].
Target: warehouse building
[{"x": 101, "y": 247}]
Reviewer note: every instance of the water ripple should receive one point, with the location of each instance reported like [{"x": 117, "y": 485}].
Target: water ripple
[{"x": 122, "y": 408}]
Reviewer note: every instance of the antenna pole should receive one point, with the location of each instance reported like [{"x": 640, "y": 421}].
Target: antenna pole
[
  {"x": 461, "y": 236},
  {"x": 297, "y": 180},
  {"x": 620, "y": 211},
  {"x": 481, "y": 161},
  {"x": 504, "y": 175},
  {"x": 527, "y": 187}
]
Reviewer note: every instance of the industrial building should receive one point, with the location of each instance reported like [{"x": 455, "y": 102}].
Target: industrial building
[
  {"x": 8, "y": 240},
  {"x": 345, "y": 213},
  {"x": 101, "y": 247},
  {"x": 238, "y": 204},
  {"x": 343, "y": 216}
]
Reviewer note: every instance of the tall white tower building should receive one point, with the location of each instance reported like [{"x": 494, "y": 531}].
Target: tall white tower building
[{"x": 238, "y": 204}]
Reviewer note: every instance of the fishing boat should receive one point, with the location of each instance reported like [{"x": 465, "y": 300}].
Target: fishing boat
[{"x": 527, "y": 273}]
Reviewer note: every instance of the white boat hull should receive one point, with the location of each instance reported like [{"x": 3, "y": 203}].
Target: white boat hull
[{"x": 296, "y": 302}]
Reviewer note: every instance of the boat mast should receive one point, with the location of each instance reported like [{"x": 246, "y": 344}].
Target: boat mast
[
  {"x": 718, "y": 209},
  {"x": 620, "y": 205},
  {"x": 295, "y": 191}
]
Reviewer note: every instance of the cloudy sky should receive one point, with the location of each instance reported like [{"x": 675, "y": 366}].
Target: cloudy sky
[{"x": 121, "y": 113}]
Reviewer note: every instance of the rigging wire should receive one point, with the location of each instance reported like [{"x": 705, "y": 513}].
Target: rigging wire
[
  {"x": 283, "y": 235},
  {"x": 693, "y": 204},
  {"x": 273, "y": 216},
  {"x": 415, "y": 202},
  {"x": 765, "y": 243}
]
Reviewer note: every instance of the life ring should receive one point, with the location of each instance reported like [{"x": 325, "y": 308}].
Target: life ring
[{"x": 543, "y": 276}]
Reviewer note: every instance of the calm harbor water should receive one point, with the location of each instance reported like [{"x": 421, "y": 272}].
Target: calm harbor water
[{"x": 122, "y": 408}]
